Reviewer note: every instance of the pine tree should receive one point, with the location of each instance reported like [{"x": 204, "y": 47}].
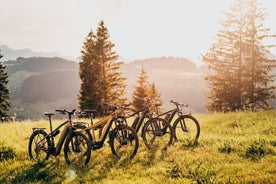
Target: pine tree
[
  {"x": 154, "y": 96},
  {"x": 238, "y": 61},
  {"x": 257, "y": 80},
  {"x": 112, "y": 85},
  {"x": 89, "y": 74},
  {"x": 100, "y": 72},
  {"x": 4, "y": 92},
  {"x": 140, "y": 91}
]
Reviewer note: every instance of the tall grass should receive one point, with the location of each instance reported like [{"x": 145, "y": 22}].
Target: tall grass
[{"x": 236, "y": 147}]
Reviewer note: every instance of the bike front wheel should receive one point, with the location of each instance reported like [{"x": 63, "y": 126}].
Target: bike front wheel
[
  {"x": 124, "y": 142},
  {"x": 83, "y": 126},
  {"x": 186, "y": 130},
  {"x": 39, "y": 143},
  {"x": 157, "y": 134},
  {"x": 77, "y": 149}
]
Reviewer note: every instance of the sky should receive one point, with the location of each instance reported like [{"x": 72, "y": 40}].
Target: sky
[{"x": 138, "y": 28}]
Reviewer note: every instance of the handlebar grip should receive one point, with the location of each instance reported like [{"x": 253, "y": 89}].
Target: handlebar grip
[{"x": 62, "y": 111}]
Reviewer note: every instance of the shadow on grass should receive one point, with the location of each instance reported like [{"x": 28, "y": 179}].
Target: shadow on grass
[
  {"x": 39, "y": 171},
  {"x": 99, "y": 168}
]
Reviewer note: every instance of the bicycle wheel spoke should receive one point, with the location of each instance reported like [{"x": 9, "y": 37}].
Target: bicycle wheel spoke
[
  {"x": 187, "y": 130},
  {"x": 38, "y": 146},
  {"x": 77, "y": 149},
  {"x": 124, "y": 142},
  {"x": 157, "y": 134}
]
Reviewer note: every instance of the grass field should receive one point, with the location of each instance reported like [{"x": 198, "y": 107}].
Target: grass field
[{"x": 236, "y": 147}]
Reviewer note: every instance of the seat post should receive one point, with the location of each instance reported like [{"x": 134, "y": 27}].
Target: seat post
[
  {"x": 50, "y": 120},
  {"x": 91, "y": 117},
  {"x": 49, "y": 115},
  {"x": 70, "y": 118}
]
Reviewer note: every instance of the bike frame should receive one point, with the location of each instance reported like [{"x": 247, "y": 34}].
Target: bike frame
[
  {"x": 137, "y": 125},
  {"x": 61, "y": 140},
  {"x": 106, "y": 123},
  {"x": 171, "y": 114},
  {"x": 56, "y": 149}
]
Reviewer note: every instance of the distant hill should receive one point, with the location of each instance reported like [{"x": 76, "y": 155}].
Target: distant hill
[
  {"x": 40, "y": 84},
  {"x": 12, "y": 54}
]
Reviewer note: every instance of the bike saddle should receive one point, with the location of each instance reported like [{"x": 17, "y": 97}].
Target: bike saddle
[{"x": 49, "y": 114}]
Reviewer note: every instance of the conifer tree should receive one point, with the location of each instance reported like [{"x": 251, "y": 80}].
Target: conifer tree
[
  {"x": 89, "y": 74},
  {"x": 111, "y": 81},
  {"x": 154, "y": 96},
  {"x": 100, "y": 72},
  {"x": 4, "y": 92},
  {"x": 257, "y": 80},
  {"x": 141, "y": 90},
  {"x": 239, "y": 77}
]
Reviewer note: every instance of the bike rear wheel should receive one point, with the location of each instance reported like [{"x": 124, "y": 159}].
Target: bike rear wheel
[
  {"x": 39, "y": 143},
  {"x": 157, "y": 134},
  {"x": 77, "y": 149},
  {"x": 124, "y": 142},
  {"x": 186, "y": 130}
]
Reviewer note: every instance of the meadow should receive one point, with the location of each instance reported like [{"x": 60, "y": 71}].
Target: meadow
[{"x": 238, "y": 147}]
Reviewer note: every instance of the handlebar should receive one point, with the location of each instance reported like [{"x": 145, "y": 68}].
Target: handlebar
[
  {"x": 115, "y": 106},
  {"x": 63, "y": 111},
  {"x": 178, "y": 104},
  {"x": 90, "y": 112}
]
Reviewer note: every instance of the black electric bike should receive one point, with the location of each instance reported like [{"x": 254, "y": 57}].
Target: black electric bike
[
  {"x": 157, "y": 133},
  {"x": 186, "y": 127},
  {"x": 77, "y": 147}
]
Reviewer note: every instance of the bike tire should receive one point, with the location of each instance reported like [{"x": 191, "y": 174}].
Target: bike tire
[
  {"x": 124, "y": 142},
  {"x": 39, "y": 144},
  {"x": 157, "y": 133},
  {"x": 77, "y": 149},
  {"x": 186, "y": 129}
]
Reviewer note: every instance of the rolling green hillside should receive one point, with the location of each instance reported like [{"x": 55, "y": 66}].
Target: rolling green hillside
[{"x": 236, "y": 147}]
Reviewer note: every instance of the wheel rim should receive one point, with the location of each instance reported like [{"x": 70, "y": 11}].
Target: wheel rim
[
  {"x": 186, "y": 132},
  {"x": 77, "y": 150},
  {"x": 39, "y": 147},
  {"x": 125, "y": 143},
  {"x": 157, "y": 134}
]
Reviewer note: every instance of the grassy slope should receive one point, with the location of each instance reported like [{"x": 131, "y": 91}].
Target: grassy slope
[{"x": 233, "y": 148}]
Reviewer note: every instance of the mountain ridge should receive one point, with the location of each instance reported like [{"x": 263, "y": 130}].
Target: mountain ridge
[{"x": 12, "y": 54}]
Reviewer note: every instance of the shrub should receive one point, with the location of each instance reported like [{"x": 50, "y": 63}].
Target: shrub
[
  {"x": 273, "y": 143},
  {"x": 227, "y": 147},
  {"x": 175, "y": 171},
  {"x": 235, "y": 124},
  {"x": 202, "y": 174},
  {"x": 258, "y": 149},
  {"x": 6, "y": 153}
]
